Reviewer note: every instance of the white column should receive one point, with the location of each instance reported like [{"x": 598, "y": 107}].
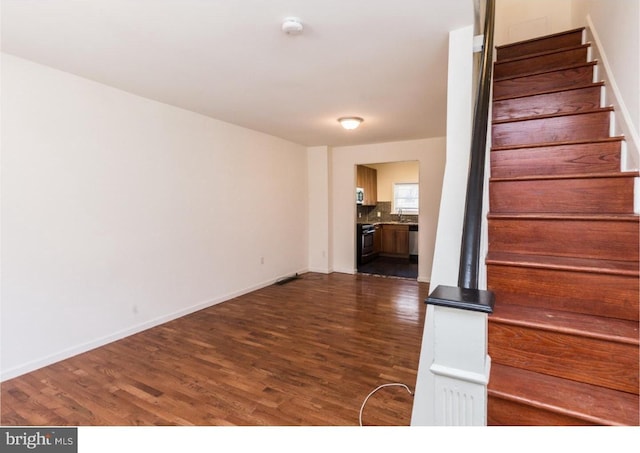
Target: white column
[
  {"x": 446, "y": 259},
  {"x": 454, "y": 392}
]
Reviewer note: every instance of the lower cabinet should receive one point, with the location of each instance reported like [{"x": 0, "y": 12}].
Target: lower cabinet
[
  {"x": 394, "y": 240},
  {"x": 377, "y": 239}
]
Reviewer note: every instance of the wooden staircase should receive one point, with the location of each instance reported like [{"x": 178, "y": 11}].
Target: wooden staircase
[{"x": 563, "y": 244}]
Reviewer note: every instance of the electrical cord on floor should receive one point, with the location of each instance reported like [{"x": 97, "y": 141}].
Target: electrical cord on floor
[{"x": 375, "y": 390}]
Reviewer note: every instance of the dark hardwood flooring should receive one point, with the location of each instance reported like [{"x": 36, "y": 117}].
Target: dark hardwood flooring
[
  {"x": 391, "y": 267},
  {"x": 304, "y": 353}
]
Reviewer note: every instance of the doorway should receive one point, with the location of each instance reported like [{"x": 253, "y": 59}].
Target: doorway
[{"x": 387, "y": 219}]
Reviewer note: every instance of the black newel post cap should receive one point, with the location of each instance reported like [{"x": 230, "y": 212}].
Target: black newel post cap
[{"x": 462, "y": 298}]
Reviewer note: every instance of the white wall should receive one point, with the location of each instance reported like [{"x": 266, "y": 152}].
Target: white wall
[
  {"x": 614, "y": 29},
  {"x": 517, "y": 20},
  {"x": 430, "y": 153},
  {"x": 119, "y": 213}
]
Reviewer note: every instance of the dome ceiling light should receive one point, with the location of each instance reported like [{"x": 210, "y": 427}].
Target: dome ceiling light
[{"x": 350, "y": 122}]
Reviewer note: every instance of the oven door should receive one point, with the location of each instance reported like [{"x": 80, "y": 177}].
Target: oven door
[{"x": 368, "y": 247}]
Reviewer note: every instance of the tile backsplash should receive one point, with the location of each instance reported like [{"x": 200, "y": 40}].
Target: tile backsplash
[{"x": 369, "y": 214}]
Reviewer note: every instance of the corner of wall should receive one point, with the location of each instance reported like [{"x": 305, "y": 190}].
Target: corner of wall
[{"x": 630, "y": 159}]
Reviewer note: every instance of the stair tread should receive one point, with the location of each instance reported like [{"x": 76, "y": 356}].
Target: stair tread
[
  {"x": 592, "y": 175},
  {"x": 575, "y": 74},
  {"x": 539, "y": 38},
  {"x": 542, "y": 53},
  {"x": 545, "y": 71},
  {"x": 630, "y": 268},
  {"x": 564, "y": 143},
  {"x": 584, "y": 401},
  {"x": 566, "y": 216},
  {"x": 548, "y": 91},
  {"x": 553, "y": 115},
  {"x": 545, "y": 59},
  {"x": 610, "y": 329}
]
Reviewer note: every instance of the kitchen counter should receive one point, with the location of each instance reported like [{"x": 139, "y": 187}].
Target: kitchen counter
[{"x": 389, "y": 223}]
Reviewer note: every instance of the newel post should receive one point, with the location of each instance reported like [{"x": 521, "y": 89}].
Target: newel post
[{"x": 460, "y": 366}]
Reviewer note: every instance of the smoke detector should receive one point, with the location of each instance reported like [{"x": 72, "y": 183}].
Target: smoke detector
[{"x": 292, "y": 26}]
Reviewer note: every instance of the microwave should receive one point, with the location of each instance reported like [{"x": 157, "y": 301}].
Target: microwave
[{"x": 359, "y": 195}]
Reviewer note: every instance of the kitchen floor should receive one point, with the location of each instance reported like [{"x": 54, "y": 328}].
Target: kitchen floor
[{"x": 393, "y": 267}]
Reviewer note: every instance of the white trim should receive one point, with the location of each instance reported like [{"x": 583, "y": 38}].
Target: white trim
[
  {"x": 463, "y": 375},
  {"x": 636, "y": 195},
  {"x": 320, "y": 270},
  {"x": 612, "y": 124},
  {"x": 346, "y": 271},
  {"x": 624, "y": 157}
]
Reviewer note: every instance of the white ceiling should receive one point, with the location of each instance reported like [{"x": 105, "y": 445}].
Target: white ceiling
[{"x": 383, "y": 60}]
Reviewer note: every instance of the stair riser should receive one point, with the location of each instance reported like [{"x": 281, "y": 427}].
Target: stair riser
[
  {"x": 572, "y": 101},
  {"x": 567, "y": 356},
  {"x": 583, "y": 196},
  {"x": 538, "y": 63},
  {"x": 614, "y": 296},
  {"x": 586, "y": 126},
  {"x": 556, "y": 160},
  {"x": 502, "y": 412},
  {"x": 598, "y": 239},
  {"x": 522, "y": 86},
  {"x": 540, "y": 45}
]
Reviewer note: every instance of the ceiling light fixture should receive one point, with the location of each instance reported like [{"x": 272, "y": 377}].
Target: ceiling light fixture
[
  {"x": 350, "y": 122},
  {"x": 292, "y": 26}
]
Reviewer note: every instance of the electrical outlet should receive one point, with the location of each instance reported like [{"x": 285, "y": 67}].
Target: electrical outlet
[
  {"x": 262, "y": 260},
  {"x": 378, "y": 213}
]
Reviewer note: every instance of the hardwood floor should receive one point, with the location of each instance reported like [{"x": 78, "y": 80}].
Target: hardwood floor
[{"x": 304, "y": 353}]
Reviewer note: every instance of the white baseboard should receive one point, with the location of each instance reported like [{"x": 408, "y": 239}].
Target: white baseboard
[
  {"x": 346, "y": 271},
  {"x": 320, "y": 270}
]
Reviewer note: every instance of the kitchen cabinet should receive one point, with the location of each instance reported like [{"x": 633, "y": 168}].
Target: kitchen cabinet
[
  {"x": 367, "y": 178},
  {"x": 394, "y": 240},
  {"x": 377, "y": 239}
]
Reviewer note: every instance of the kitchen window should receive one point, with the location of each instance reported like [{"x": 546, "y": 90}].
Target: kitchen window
[{"x": 405, "y": 197}]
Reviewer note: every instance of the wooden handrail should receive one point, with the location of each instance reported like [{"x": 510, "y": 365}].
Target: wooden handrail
[{"x": 470, "y": 247}]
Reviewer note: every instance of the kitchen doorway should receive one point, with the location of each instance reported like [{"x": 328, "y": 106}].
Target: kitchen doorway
[{"x": 387, "y": 199}]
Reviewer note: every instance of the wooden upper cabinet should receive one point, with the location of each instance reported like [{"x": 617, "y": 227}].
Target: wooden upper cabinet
[{"x": 367, "y": 178}]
